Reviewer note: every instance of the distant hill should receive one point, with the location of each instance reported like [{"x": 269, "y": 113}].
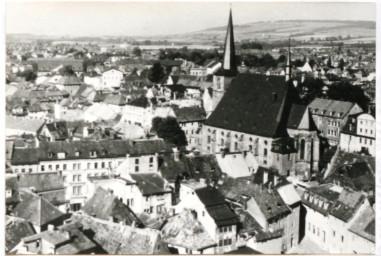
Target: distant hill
[{"x": 297, "y": 29}]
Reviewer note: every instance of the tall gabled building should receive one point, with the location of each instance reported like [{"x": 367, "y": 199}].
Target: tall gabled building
[{"x": 223, "y": 77}]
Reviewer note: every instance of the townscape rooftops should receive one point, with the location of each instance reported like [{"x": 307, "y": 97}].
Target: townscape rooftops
[
  {"x": 189, "y": 114},
  {"x": 150, "y": 183},
  {"x": 210, "y": 196},
  {"x": 358, "y": 176},
  {"x": 185, "y": 231},
  {"x": 68, "y": 239},
  {"x": 41, "y": 181},
  {"x": 330, "y": 199},
  {"x": 205, "y": 166},
  {"x": 28, "y": 125},
  {"x": 222, "y": 215},
  {"x": 87, "y": 149},
  {"x": 364, "y": 224},
  {"x": 255, "y": 104},
  {"x": 115, "y": 238},
  {"x": 103, "y": 204},
  {"x": 325, "y": 107},
  {"x": 36, "y": 210},
  {"x": 15, "y": 231},
  {"x": 344, "y": 158}
]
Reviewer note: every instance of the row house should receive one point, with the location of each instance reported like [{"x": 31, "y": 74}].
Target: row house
[
  {"x": 359, "y": 134},
  {"x": 210, "y": 208},
  {"x": 331, "y": 115},
  {"x": 339, "y": 220},
  {"x": 77, "y": 160}
]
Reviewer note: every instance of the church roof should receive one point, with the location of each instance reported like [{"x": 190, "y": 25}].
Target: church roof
[{"x": 255, "y": 104}]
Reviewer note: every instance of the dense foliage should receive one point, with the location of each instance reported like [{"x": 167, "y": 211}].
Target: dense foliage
[{"x": 169, "y": 130}]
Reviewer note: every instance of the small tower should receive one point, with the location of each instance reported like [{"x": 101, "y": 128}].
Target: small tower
[
  {"x": 288, "y": 65},
  {"x": 228, "y": 71}
]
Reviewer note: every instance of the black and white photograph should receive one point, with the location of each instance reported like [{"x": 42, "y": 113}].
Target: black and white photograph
[{"x": 189, "y": 127}]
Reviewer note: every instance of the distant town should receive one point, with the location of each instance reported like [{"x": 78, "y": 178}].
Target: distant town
[{"x": 125, "y": 145}]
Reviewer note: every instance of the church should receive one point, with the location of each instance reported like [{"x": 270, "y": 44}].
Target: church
[{"x": 260, "y": 115}]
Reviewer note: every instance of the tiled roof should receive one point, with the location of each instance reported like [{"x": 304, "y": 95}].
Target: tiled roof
[
  {"x": 58, "y": 130},
  {"x": 118, "y": 239},
  {"x": 205, "y": 166},
  {"x": 118, "y": 100},
  {"x": 69, "y": 80},
  {"x": 364, "y": 224},
  {"x": 50, "y": 64},
  {"x": 324, "y": 107},
  {"x": 36, "y": 210},
  {"x": 103, "y": 148},
  {"x": 185, "y": 231},
  {"x": 150, "y": 183},
  {"x": 222, "y": 215},
  {"x": 41, "y": 182},
  {"x": 330, "y": 199},
  {"x": 210, "y": 196},
  {"x": 15, "y": 231},
  {"x": 189, "y": 114},
  {"x": 350, "y": 158},
  {"x": 103, "y": 204},
  {"x": 296, "y": 116},
  {"x": 28, "y": 125},
  {"x": 255, "y": 104},
  {"x": 358, "y": 176}
]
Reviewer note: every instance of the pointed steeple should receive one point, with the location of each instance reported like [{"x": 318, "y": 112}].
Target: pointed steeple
[
  {"x": 229, "y": 62},
  {"x": 288, "y": 65}
]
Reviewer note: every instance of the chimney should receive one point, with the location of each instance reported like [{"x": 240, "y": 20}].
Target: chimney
[
  {"x": 50, "y": 227},
  {"x": 85, "y": 131},
  {"x": 176, "y": 154},
  {"x": 265, "y": 177}
]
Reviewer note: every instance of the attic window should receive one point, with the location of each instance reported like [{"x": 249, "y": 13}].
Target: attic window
[
  {"x": 61, "y": 155},
  {"x": 340, "y": 114},
  {"x": 76, "y": 153},
  {"x": 50, "y": 154},
  {"x": 332, "y": 113},
  {"x": 93, "y": 153}
]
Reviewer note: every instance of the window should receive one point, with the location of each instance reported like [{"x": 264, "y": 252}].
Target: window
[
  {"x": 64, "y": 167},
  {"x": 74, "y": 166},
  {"x": 50, "y": 167},
  {"x": 23, "y": 170},
  {"x": 302, "y": 149},
  {"x": 95, "y": 165},
  {"x": 230, "y": 228},
  {"x": 79, "y": 166},
  {"x": 333, "y": 233},
  {"x": 137, "y": 168},
  {"x": 79, "y": 177},
  {"x": 57, "y": 167},
  {"x": 76, "y": 153},
  {"x": 208, "y": 139},
  {"x": 74, "y": 178},
  {"x": 265, "y": 152},
  {"x": 42, "y": 168},
  {"x": 342, "y": 239},
  {"x": 136, "y": 161},
  {"x": 103, "y": 165},
  {"x": 220, "y": 243}
]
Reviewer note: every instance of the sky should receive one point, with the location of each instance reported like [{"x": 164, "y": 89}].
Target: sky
[{"x": 163, "y": 18}]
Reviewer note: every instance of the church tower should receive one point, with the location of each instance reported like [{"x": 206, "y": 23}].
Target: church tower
[
  {"x": 288, "y": 65},
  {"x": 228, "y": 71}
]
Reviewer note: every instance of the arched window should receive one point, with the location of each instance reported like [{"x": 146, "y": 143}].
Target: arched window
[
  {"x": 265, "y": 152},
  {"x": 302, "y": 149}
]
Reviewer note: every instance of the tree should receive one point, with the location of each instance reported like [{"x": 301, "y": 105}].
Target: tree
[
  {"x": 156, "y": 73},
  {"x": 29, "y": 75},
  {"x": 67, "y": 71},
  {"x": 137, "y": 51},
  {"x": 169, "y": 130},
  {"x": 346, "y": 92},
  {"x": 341, "y": 64}
]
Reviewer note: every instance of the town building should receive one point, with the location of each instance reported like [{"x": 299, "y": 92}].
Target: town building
[
  {"x": 330, "y": 116},
  {"x": 358, "y": 135},
  {"x": 210, "y": 208},
  {"x": 332, "y": 219}
]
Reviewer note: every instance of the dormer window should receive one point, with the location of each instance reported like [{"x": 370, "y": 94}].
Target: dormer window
[
  {"x": 103, "y": 152},
  {"x": 93, "y": 153},
  {"x": 61, "y": 155},
  {"x": 50, "y": 154},
  {"x": 76, "y": 153},
  {"x": 332, "y": 113}
]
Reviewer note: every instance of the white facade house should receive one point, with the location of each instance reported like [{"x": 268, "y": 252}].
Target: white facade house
[
  {"x": 333, "y": 217},
  {"x": 79, "y": 160},
  {"x": 112, "y": 79},
  {"x": 359, "y": 134}
]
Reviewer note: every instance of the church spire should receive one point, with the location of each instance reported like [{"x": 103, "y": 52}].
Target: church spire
[
  {"x": 288, "y": 65},
  {"x": 229, "y": 62}
]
